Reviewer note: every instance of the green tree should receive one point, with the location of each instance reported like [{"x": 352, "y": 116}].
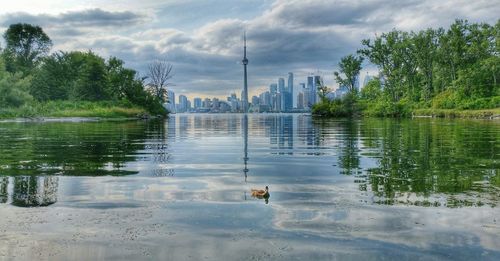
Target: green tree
[
  {"x": 25, "y": 45},
  {"x": 13, "y": 88},
  {"x": 349, "y": 66},
  {"x": 426, "y": 43},
  {"x": 120, "y": 79},
  {"x": 92, "y": 84},
  {"x": 372, "y": 91},
  {"x": 55, "y": 78}
]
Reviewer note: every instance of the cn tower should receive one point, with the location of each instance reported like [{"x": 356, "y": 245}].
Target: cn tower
[{"x": 245, "y": 83}]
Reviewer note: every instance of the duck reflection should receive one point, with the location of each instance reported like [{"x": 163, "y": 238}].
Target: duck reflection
[{"x": 29, "y": 191}]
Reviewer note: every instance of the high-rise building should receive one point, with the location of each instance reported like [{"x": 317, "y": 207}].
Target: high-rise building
[
  {"x": 311, "y": 86},
  {"x": 277, "y": 103},
  {"x": 356, "y": 83},
  {"x": 215, "y": 103},
  {"x": 300, "y": 100},
  {"x": 282, "y": 91},
  {"x": 171, "y": 101},
  {"x": 255, "y": 100},
  {"x": 182, "y": 107},
  {"x": 197, "y": 103},
  {"x": 273, "y": 88},
  {"x": 265, "y": 99},
  {"x": 281, "y": 85},
  {"x": 289, "y": 93},
  {"x": 207, "y": 103}
]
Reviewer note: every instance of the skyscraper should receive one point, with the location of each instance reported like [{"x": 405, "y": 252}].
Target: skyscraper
[
  {"x": 273, "y": 88},
  {"x": 197, "y": 103},
  {"x": 290, "y": 103},
  {"x": 311, "y": 85},
  {"x": 300, "y": 100},
  {"x": 281, "y": 89},
  {"x": 244, "y": 97},
  {"x": 183, "y": 103},
  {"x": 171, "y": 101},
  {"x": 317, "y": 80}
]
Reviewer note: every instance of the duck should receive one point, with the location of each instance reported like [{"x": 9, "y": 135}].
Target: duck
[{"x": 260, "y": 193}]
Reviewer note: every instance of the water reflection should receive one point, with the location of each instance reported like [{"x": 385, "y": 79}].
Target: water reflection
[
  {"x": 410, "y": 162},
  {"x": 29, "y": 191},
  {"x": 245, "y": 145}
]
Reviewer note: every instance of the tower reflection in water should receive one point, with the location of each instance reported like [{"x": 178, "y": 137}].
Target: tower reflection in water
[
  {"x": 245, "y": 147},
  {"x": 29, "y": 191}
]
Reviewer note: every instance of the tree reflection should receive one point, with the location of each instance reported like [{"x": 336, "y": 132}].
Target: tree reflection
[
  {"x": 89, "y": 149},
  {"x": 4, "y": 183},
  {"x": 29, "y": 191},
  {"x": 424, "y": 158},
  {"x": 421, "y": 162}
]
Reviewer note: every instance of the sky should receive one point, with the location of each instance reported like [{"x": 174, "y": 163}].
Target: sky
[{"x": 202, "y": 39}]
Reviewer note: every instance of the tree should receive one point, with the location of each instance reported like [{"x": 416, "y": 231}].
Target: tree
[
  {"x": 13, "y": 88},
  {"x": 159, "y": 73},
  {"x": 55, "y": 78},
  {"x": 323, "y": 90},
  {"x": 372, "y": 91},
  {"x": 92, "y": 84},
  {"x": 25, "y": 45},
  {"x": 425, "y": 54},
  {"x": 120, "y": 79},
  {"x": 350, "y": 66}
]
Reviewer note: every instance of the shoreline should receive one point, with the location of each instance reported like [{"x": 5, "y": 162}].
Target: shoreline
[
  {"x": 74, "y": 119},
  {"x": 485, "y": 114}
]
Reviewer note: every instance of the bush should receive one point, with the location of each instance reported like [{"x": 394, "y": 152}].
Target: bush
[{"x": 14, "y": 90}]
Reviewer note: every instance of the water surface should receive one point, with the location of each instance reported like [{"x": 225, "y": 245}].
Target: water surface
[{"x": 180, "y": 188}]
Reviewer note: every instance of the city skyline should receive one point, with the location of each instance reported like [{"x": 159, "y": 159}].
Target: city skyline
[
  {"x": 202, "y": 39},
  {"x": 279, "y": 97}
]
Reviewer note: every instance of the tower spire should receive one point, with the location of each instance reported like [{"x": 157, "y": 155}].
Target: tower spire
[
  {"x": 245, "y": 83},
  {"x": 244, "y": 44}
]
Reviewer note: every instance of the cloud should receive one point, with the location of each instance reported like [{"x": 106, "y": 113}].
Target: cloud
[
  {"x": 284, "y": 36},
  {"x": 84, "y": 18}
]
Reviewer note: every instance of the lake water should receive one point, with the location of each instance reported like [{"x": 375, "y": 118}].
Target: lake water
[{"x": 179, "y": 189}]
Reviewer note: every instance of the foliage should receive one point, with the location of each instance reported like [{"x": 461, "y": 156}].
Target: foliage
[
  {"x": 372, "y": 91},
  {"x": 345, "y": 107},
  {"x": 29, "y": 75},
  {"x": 25, "y": 45},
  {"x": 13, "y": 88},
  {"x": 350, "y": 66},
  {"x": 104, "y": 109},
  {"x": 456, "y": 68}
]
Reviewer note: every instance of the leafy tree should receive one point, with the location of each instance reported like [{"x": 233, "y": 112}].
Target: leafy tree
[
  {"x": 92, "y": 84},
  {"x": 350, "y": 66},
  {"x": 55, "y": 79},
  {"x": 372, "y": 91},
  {"x": 13, "y": 88},
  {"x": 25, "y": 45}
]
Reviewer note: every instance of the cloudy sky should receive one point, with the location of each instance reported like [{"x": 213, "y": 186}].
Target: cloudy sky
[{"x": 203, "y": 38}]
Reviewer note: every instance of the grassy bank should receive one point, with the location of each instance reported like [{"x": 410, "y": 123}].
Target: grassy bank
[
  {"x": 452, "y": 113},
  {"x": 102, "y": 109}
]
